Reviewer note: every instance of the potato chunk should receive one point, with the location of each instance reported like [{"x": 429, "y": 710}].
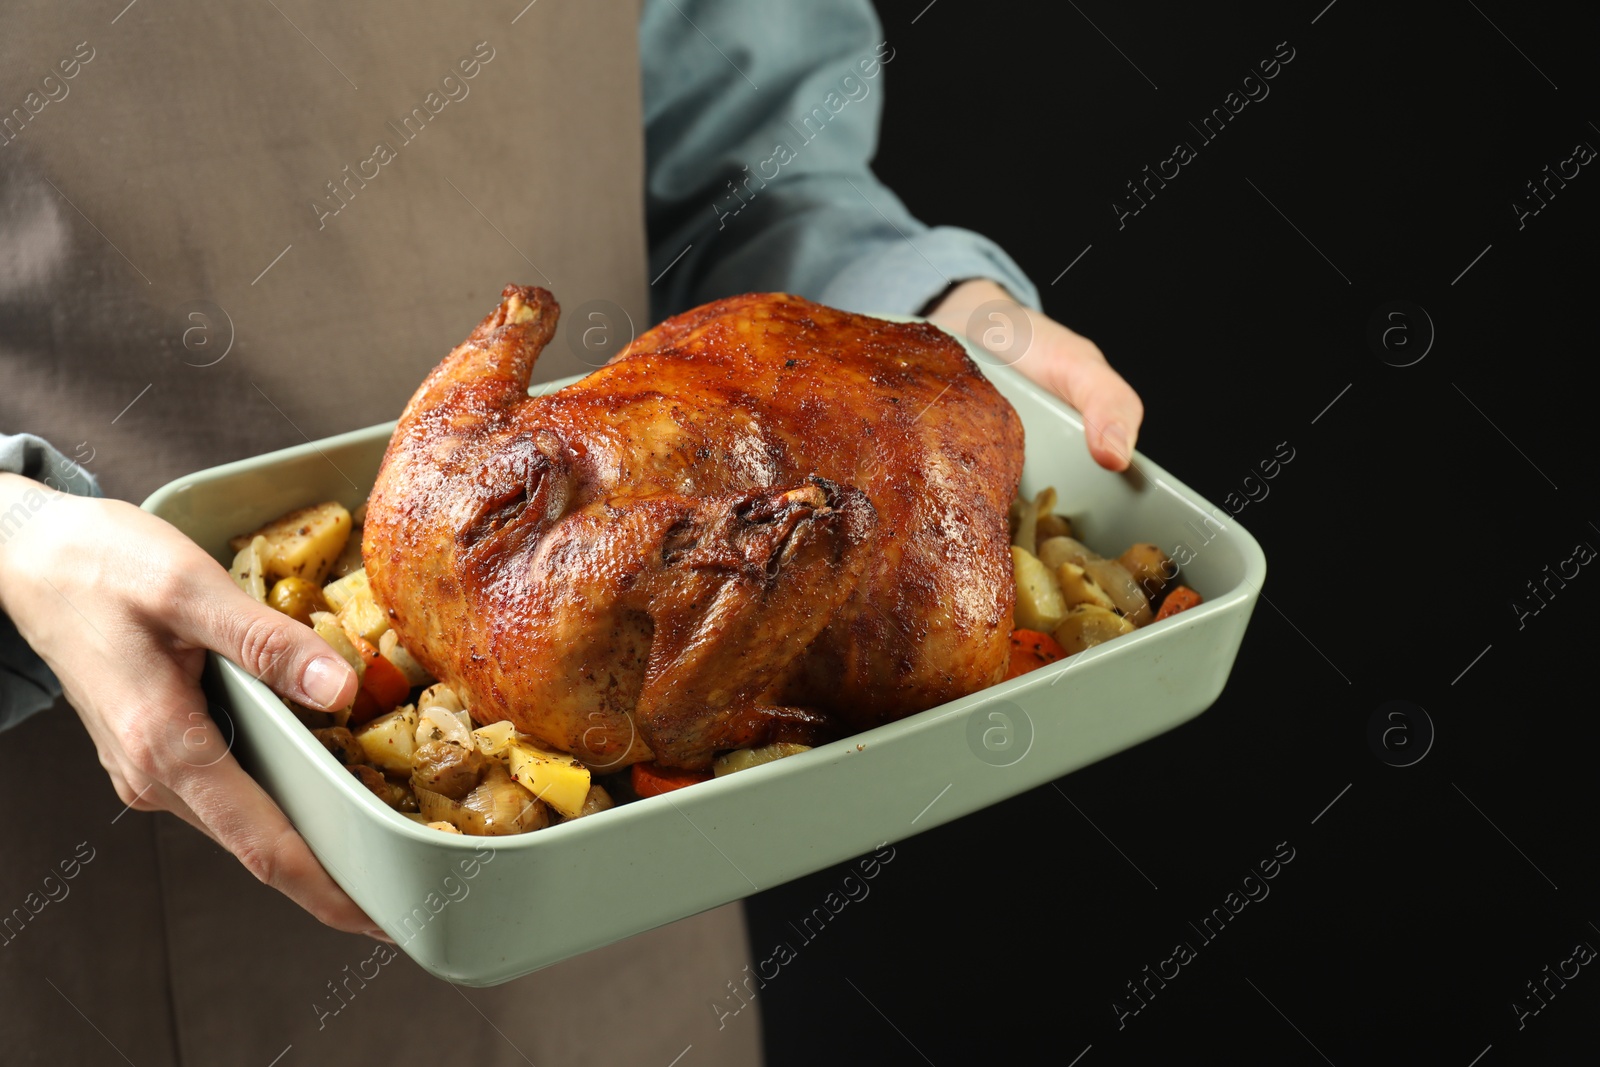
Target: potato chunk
[
  {"x": 390, "y": 741},
  {"x": 303, "y": 543},
  {"x": 359, "y": 613},
  {"x": 328, "y": 628},
  {"x": 1077, "y": 587},
  {"x": 1114, "y": 578},
  {"x": 1087, "y": 625},
  {"x": 348, "y": 560},
  {"x": 558, "y": 780},
  {"x": 351, "y": 585},
  {"x": 1150, "y": 567},
  {"x": 1050, "y": 526},
  {"x": 741, "y": 759},
  {"x": 1039, "y": 605},
  {"x": 1055, "y": 551}
]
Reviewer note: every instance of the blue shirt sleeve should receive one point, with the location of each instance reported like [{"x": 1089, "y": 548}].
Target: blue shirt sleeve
[
  {"x": 27, "y": 686},
  {"x": 760, "y": 124}
]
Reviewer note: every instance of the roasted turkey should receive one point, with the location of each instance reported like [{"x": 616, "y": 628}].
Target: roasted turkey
[{"x": 764, "y": 520}]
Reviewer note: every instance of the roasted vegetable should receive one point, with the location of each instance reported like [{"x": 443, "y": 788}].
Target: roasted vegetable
[
  {"x": 328, "y": 628},
  {"x": 1039, "y": 605},
  {"x": 1150, "y": 567},
  {"x": 363, "y": 618},
  {"x": 360, "y": 615},
  {"x": 391, "y": 649},
  {"x": 442, "y": 718},
  {"x": 650, "y": 780},
  {"x": 303, "y": 543},
  {"x": 557, "y": 779},
  {"x": 390, "y": 740},
  {"x": 342, "y": 591},
  {"x": 1088, "y": 625},
  {"x": 1053, "y": 525},
  {"x": 350, "y": 559},
  {"x": 297, "y": 598},
  {"x": 341, "y": 743},
  {"x": 1025, "y": 534},
  {"x": 598, "y": 800},
  {"x": 1182, "y": 598},
  {"x": 494, "y": 738},
  {"x": 1031, "y": 650},
  {"x": 1077, "y": 587},
  {"x": 441, "y": 695},
  {"x": 1055, "y": 551},
  {"x": 743, "y": 759},
  {"x": 393, "y": 794},
  {"x": 447, "y": 769},
  {"x": 497, "y": 805},
  {"x": 249, "y": 568},
  {"x": 380, "y": 679},
  {"x": 1114, "y": 578}
]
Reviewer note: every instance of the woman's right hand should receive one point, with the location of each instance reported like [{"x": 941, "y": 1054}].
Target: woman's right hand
[{"x": 123, "y": 607}]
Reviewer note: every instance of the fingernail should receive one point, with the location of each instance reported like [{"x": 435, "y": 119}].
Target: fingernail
[
  {"x": 380, "y": 935},
  {"x": 323, "y": 680},
  {"x": 1116, "y": 439}
]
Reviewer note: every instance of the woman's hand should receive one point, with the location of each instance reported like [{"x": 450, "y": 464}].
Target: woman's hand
[
  {"x": 123, "y": 608},
  {"x": 1069, "y": 365}
]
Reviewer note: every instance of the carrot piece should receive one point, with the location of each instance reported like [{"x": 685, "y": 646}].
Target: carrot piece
[
  {"x": 1182, "y": 598},
  {"x": 651, "y": 779},
  {"x": 365, "y": 709},
  {"x": 1030, "y": 650},
  {"x": 380, "y": 679}
]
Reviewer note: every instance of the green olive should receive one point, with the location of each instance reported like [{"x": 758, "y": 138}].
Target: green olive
[{"x": 297, "y": 598}]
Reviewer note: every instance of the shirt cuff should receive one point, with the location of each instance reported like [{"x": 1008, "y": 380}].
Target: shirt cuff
[
  {"x": 34, "y": 457},
  {"x": 27, "y": 685},
  {"x": 901, "y": 276}
]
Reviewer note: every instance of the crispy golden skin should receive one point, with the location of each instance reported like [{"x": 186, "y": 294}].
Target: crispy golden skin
[{"x": 764, "y": 520}]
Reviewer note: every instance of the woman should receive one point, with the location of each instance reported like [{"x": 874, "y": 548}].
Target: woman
[{"x": 234, "y": 229}]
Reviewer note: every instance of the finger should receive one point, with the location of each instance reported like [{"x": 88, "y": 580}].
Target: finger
[
  {"x": 152, "y": 797},
  {"x": 231, "y": 807},
  {"x": 169, "y": 753},
  {"x": 136, "y": 791},
  {"x": 1113, "y": 414},
  {"x": 287, "y": 655},
  {"x": 234, "y": 810},
  {"x": 308, "y": 884},
  {"x": 1112, "y": 411},
  {"x": 293, "y": 870}
]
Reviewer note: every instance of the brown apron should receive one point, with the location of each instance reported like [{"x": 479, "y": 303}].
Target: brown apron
[{"x": 226, "y": 229}]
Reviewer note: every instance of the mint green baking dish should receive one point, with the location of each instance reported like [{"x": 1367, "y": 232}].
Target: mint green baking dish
[{"x": 480, "y": 911}]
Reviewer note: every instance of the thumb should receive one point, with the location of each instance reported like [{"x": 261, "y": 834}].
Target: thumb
[{"x": 285, "y": 654}]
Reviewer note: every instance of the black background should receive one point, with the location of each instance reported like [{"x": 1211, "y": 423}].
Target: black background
[{"x": 1396, "y": 541}]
